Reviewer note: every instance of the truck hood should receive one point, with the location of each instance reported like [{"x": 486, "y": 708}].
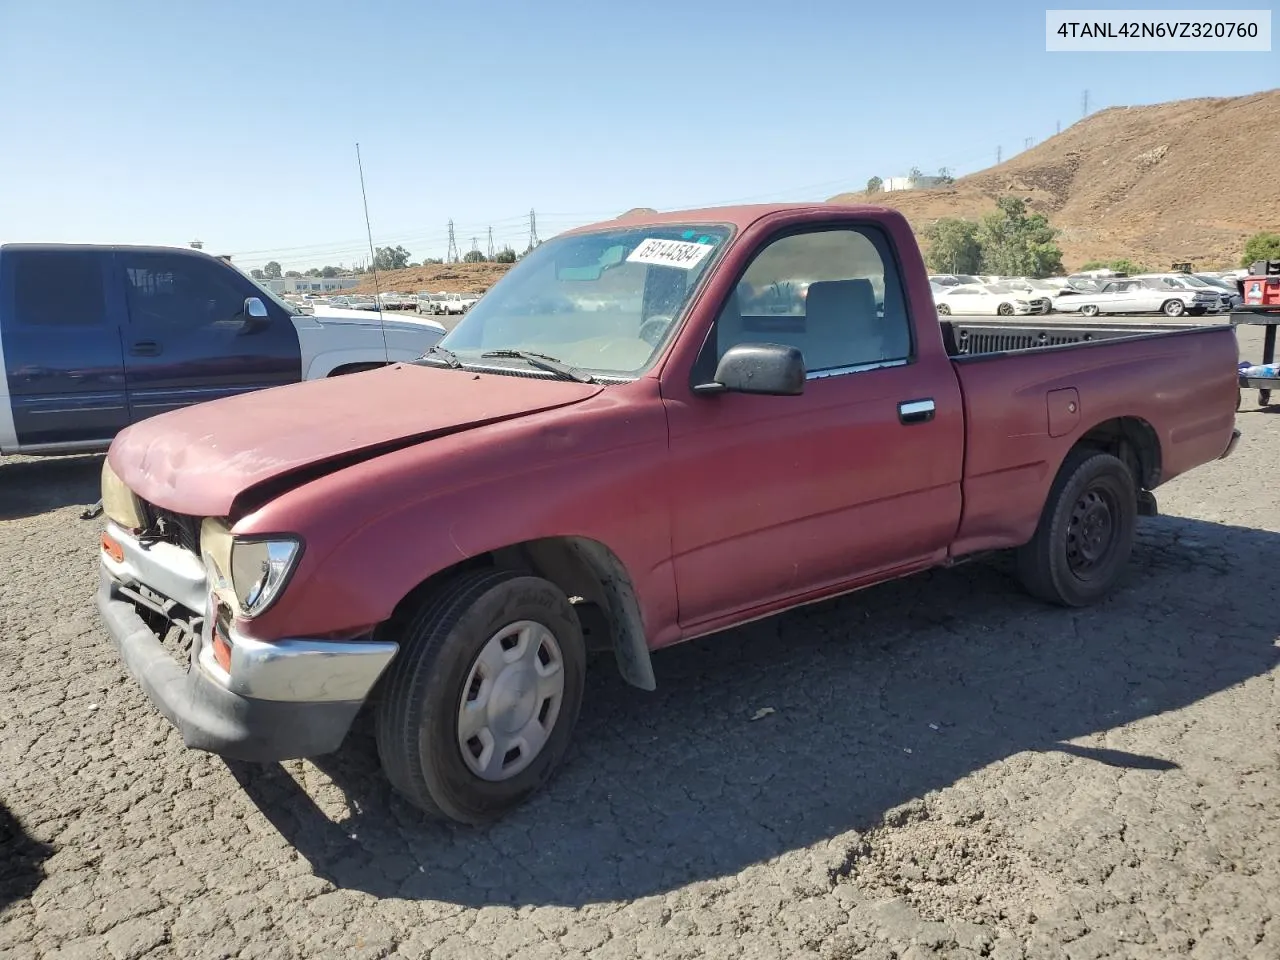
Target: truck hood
[{"x": 225, "y": 457}]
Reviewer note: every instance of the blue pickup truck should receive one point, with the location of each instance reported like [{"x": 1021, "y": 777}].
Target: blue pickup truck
[{"x": 94, "y": 338}]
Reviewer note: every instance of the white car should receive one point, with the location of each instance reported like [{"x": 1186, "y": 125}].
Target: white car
[
  {"x": 991, "y": 299},
  {"x": 1139, "y": 295},
  {"x": 335, "y": 339}
]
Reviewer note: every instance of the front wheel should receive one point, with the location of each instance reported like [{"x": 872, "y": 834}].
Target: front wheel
[
  {"x": 1085, "y": 534},
  {"x": 1089, "y": 310},
  {"x": 1173, "y": 308},
  {"x": 1005, "y": 310},
  {"x": 480, "y": 704},
  {"x": 944, "y": 310}
]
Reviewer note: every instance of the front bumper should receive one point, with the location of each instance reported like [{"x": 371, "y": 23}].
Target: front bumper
[{"x": 279, "y": 700}]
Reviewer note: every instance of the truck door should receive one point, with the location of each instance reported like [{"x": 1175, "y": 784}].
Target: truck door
[
  {"x": 189, "y": 338},
  {"x": 60, "y": 344},
  {"x": 774, "y": 497}
]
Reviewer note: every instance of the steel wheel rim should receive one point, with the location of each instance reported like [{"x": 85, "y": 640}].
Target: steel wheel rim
[
  {"x": 1091, "y": 532},
  {"x": 510, "y": 701}
]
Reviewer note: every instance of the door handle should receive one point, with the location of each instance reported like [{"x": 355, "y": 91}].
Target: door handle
[
  {"x": 916, "y": 411},
  {"x": 145, "y": 348}
]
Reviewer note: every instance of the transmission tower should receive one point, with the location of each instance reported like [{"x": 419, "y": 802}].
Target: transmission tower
[
  {"x": 452, "y": 256},
  {"x": 1084, "y": 104},
  {"x": 1058, "y": 124},
  {"x": 1026, "y": 144},
  {"x": 998, "y": 153},
  {"x": 533, "y": 229},
  {"x": 491, "y": 243}
]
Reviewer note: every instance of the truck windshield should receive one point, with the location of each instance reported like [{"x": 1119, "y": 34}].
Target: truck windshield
[{"x": 603, "y": 302}]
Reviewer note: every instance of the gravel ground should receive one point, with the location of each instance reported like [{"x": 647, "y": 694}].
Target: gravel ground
[{"x": 948, "y": 769}]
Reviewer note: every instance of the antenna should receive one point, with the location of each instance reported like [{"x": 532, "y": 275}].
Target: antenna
[{"x": 373, "y": 264}]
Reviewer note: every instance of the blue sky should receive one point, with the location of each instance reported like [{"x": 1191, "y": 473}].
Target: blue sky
[{"x": 154, "y": 121}]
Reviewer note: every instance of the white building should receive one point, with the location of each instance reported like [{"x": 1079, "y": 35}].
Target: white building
[
  {"x": 310, "y": 284},
  {"x": 912, "y": 183}
]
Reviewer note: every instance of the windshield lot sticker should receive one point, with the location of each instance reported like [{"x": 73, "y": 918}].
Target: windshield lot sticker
[{"x": 669, "y": 253}]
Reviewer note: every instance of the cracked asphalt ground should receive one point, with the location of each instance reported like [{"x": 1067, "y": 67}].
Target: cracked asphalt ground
[{"x": 950, "y": 769}]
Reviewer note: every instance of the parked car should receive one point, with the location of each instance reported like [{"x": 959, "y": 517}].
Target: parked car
[
  {"x": 94, "y": 338},
  {"x": 1134, "y": 295},
  {"x": 443, "y": 539},
  {"x": 990, "y": 299}
]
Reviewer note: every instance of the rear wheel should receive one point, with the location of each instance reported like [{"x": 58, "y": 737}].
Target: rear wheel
[
  {"x": 1086, "y": 531},
  {"x": 1173, "y": 308},
  {"x": 944, "y": 310},
  {"x": 480, "y": 704},
  {"x": 1089, "y": 310},
  {"x": 1005, "y": 310}
]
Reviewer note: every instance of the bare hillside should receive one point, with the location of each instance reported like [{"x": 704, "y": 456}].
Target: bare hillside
[
  {"x": 1187, "y": 180},
  {"x": 449, "y": 277}
]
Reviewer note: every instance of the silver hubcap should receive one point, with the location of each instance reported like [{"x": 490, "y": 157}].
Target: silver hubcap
[{"x": 511, "y": 700}]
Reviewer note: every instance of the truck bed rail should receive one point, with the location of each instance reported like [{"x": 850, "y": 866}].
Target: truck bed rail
[{"x": 965, "y": 338}]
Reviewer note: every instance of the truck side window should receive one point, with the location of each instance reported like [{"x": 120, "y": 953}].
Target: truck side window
[
  {"x": 54, "y": 288},
  {"x": 833, "y": 293},
  {"x": 180, "y": 291}
]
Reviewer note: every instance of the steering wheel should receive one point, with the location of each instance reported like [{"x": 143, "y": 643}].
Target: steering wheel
[{"x": 652, "y": 330}]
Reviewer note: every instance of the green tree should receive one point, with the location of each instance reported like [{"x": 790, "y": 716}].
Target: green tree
[
  {"x": 953, "y": 246},
  {"x": 1018, "y": 244},
  {"x": 328, "y": 272},
  {"x": 390, "y": 258},
  {"x": 1123, "y": 265},
  {"x": 875, "y": 185},
  {"x": 292, "y": 273},
  {"x": 473, "y": 256},
  {"x": 505, "y": 255},
  {"x": 272, "y": 270},
  {"x": 1261, "y": 246},
  {"x": 313, "y": 272},
  {"x": 257, "y": 274},
  {"x": 432, "y": 261}
]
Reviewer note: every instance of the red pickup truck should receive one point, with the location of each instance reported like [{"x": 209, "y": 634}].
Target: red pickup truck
[{"x": 651, "y": 429}]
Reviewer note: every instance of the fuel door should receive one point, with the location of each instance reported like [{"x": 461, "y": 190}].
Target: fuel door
[{"x": 1064, "y": 411}]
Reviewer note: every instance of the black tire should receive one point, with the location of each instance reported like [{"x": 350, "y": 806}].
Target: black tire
[
  {"x": 1089, "y": 310},
  {"x": 417, "y": 715},
  {"x": 1061, "y": 564},
  {"x": 1005, "y": 310}
]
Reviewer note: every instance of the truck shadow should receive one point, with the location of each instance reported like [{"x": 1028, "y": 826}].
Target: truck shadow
[
  {"x": 33, "y": 486},
  {"x": 21, "y": 859},
  {"x": 874, "y": 701}
]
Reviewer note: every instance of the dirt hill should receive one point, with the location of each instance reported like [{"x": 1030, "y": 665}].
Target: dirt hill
[
  {"x": 1187, "y": 180},
  {"x": 449, "y": 277}
]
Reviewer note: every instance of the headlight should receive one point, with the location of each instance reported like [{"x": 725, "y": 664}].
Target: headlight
[
  {"x": 119, "y": 502},
  {"x": 259, "y": 571}
]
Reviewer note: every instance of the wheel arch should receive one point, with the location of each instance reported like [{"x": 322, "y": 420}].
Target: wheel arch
[
  {"x": 1134, "y": 441},
  {"x": 590, "y": 574}
]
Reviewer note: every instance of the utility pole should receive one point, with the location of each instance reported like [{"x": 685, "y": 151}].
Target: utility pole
[
  {"x": 1084, "y": 104},
  {"x": 452, "y": 256},
  {"x": 533, "y": 229}
]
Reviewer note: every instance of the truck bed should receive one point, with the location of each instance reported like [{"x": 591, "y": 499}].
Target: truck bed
[{"x": 980, "y": 336}]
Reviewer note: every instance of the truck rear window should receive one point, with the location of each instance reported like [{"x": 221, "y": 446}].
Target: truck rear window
[{"x": 58, "y": 289}]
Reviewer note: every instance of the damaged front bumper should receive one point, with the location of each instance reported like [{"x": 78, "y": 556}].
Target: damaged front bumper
[{"x": 272, "y": 701}]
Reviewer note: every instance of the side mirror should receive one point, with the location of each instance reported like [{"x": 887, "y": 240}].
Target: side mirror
[
  {"x": 255, "y": 308},
  {"x": 771, "y": 369}
]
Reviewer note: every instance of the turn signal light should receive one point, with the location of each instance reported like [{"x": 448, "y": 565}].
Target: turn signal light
[
  {"x": 221, "y": 652},
  {"x": 112, "y": 548}
]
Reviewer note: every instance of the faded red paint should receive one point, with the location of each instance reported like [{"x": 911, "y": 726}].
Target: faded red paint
[{"x": 721, "y": 508}]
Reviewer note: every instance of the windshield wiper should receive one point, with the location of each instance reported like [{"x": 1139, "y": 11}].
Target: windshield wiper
[
  {"x": 447, "y": 355},
  {"x": 543, "y": 362}
]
